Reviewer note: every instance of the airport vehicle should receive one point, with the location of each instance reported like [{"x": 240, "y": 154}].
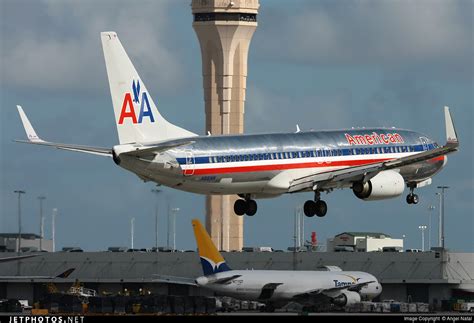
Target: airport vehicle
[
  {"x": 277, "y": 288},
  {"x": 467, "y": 307},
  {"x": 61, "y": 275},
  {"x": 376, "y": 163}
]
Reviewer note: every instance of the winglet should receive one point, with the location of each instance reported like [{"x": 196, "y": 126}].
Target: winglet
[
  {"x": 451, "y": 136},
  {"x": 30, "y": 132}
]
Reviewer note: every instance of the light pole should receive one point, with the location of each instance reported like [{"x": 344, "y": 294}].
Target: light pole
[
  {"x": 175, "y": 211},
  {"x": 431, "y": 208},
  {"x": 41, "y": 199},
  {"x": 157, "y": 192},
  {"x": 441, "y": 215},
  {"x": 53, "y": 225},
  {"x": 422, "y": 229},
  {"x": 19, "y": 192},
  {"x": 132, "y": 231}
]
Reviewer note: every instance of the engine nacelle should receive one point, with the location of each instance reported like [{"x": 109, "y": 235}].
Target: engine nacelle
[
  {"x": 347, "y": 298},
  {"x": 384, "y": 185}
]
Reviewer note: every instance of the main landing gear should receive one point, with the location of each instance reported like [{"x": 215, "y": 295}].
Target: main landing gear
[
  {"x": 245, "y": 206},
  {"x": 412, "y": 198},
  {"x": 318, "y": 206}
]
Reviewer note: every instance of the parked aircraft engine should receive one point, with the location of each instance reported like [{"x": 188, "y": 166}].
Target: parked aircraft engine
[
  {"x": 386, "y": 184},
  {"x": 347, "y": 298}
]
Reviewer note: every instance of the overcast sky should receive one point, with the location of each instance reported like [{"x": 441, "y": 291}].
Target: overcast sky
[{"x": 319, "y": 64}]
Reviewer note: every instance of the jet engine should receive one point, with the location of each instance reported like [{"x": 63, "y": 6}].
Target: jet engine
[
  {"x": 386, "y": 184},
  {"x": 346, "y": 298}
]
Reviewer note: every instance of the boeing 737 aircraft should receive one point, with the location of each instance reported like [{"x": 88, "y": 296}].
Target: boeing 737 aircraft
[
  {"x": 277, "y": 288},
  {"x": 375, "y": 163}
]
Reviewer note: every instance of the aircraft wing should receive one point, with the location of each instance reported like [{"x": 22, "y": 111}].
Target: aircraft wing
[
  {"x": 34, "y": 139},
  {"x": 330, "y": 291},
  {"x": 7, "y": 259},
  {"x": 61, "y": 275},
  {"x": 175, "y": 280},
  {"x": 363, "y": 173}
]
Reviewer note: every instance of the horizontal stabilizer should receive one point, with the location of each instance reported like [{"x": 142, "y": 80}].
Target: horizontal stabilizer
[
  {"x": 223, "y": 280},
  {"x": 155, "y": 149},
  {"x": 175, "y": 280}
]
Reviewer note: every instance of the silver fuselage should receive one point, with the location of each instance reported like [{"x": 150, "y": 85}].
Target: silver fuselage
[{"x": 247, "y": 164}]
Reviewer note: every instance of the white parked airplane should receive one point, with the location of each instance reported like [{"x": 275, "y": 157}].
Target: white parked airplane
[
  {"x": 277, "y": 288},
  {"x": 375, "y": 163}
]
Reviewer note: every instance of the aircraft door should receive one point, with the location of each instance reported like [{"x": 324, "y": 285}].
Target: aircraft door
[
  {"x": 190, "y": 162},
  {"x": 424, "y": 142}
]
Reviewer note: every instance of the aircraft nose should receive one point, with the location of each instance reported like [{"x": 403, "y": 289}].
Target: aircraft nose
[{"x": 378, "y": 289}]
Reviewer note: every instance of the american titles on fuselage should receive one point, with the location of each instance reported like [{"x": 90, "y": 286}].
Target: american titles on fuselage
[{"x": 375, "y": 139}]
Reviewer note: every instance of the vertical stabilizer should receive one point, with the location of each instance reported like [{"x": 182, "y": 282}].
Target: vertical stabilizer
[
  {"x": 211, "y": 260},
  {"x": 136, "y": 115}
]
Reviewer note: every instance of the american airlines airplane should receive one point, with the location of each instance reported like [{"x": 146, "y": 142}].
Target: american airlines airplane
[
  {"x": 276, "y": 288},
  {"x": 376, "y": 163}
]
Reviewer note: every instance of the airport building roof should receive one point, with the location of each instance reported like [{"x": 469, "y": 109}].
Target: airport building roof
[
  {"x": 378, "y": 235},
  {"x": 23, "y": 235}
]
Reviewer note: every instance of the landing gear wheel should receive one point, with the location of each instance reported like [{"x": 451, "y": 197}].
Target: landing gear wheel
[
  {"x": 251, "y": 208},
  {"x": 412, "y": 198},
  {"x": 240, "y": 207},
  {"x": 309, "y": 208},
  {"x": 321, "y": 208}
]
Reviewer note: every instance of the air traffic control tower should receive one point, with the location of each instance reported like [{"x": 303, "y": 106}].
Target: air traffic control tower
[{"x": 224, "y": 29}]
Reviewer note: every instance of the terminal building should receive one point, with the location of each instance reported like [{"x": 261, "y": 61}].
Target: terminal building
[
  {"x": 435, "y": 277},
  {"x": 29, "y": 242},
  {"x": 364, "y": 242}
]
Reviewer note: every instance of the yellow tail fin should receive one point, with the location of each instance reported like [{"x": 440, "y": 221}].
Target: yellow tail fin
[{"x": 211, "y": 260}]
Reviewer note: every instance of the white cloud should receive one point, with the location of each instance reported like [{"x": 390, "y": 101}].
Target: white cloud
[
  {"x": 268, "y": 110},
  {"x": 58, "y": 45},
  {"x": 383, "y": 33}
]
